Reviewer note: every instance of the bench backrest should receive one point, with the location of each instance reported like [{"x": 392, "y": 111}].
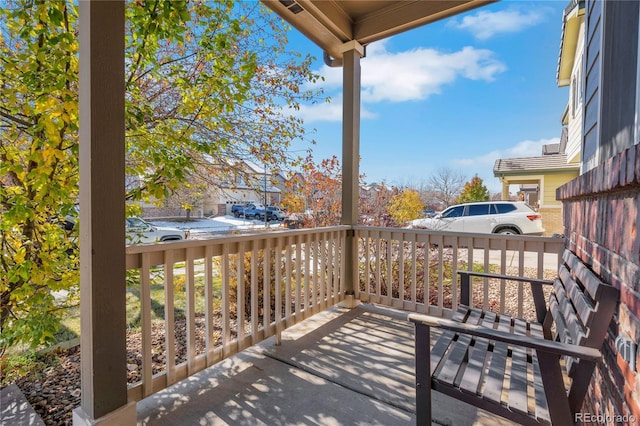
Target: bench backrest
[{"x": 581, "y": 307}]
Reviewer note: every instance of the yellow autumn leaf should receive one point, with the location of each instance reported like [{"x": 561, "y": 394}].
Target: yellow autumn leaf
[
  {"x": 50, "y": 130},
  {"x": 44, "y": 104}
]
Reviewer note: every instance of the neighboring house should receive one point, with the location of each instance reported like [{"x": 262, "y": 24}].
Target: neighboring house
[
  {"x": 602, "y": 206},
  {"x": 569, "y": 73},
  {"x": 251, "y": 183},
  {"x": 540, "y": 177}
]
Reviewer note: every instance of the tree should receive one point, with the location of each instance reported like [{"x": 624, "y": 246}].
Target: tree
[
  {"x": 203, "y": 87},
  {"x": 318, "y": 187},
  {"x": 405, "y": 206},
  {"x": 374, "y": 200},
  {"x": 474, "y": 190},
  {"x": 447, "y": 184}
]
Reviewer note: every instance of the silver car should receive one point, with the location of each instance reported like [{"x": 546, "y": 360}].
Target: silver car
[
  {"x": 485, "y": 217},
  {"x": 140, "y": 231}
]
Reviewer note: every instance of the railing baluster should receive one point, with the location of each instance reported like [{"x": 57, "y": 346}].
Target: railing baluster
[
  {"x": 190, "y": 314},
  {"x": 319, "y": 248},
  {"x": 341, "y": 274},
  {"x": 226, "y": 304},
  {"x": 378, "y": 266},
  {"x": 145, "y": 311},
  {"x": 240, "y": 294},
  {"x": 323, "y": 271},
  {"x": 254, "y": 294},
  {"x": 503, "y": 283},
  {"x": 414, "y": 269},
  {"x": 278, "y": 289},
  {"x": 401, "y": 241},
  {"x": 287, "y": 293},
  {"x": 308, "y": 308},
  {"x": 298, "y": 292},
  {"x": 389, "y": 269},
  {"x": 208, "y": 304},
  {"x": 521, "y": 273},
  {"x": 266, "y": 289},
  {"x": 454, "y": 278},
  {"x": 487, "y": 269},
  {"x": 169, "y": 318}
]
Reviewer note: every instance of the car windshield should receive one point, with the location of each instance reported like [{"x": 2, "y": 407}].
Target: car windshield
[{"x": 136, "y": 221}]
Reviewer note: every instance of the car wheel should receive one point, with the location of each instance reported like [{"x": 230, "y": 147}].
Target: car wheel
[{"x": 508, "y": 231}]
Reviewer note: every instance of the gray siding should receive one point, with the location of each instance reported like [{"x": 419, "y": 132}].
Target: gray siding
[
  {"x": 619, "y": 77},
  {"x": 610, "y": 79}
]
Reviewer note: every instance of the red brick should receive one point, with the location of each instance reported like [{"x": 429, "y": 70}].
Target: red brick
[
  {"x": 637, "y": 168},
  {"x": 630, "y": 177},
  {"x": 613, "y": 172}
]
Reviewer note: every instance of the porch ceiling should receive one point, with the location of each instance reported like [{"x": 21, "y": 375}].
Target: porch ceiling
[{"x": 331, "y": 23}]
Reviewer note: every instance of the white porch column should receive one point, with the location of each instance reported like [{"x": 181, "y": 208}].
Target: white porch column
[
  {"x": 353, "y": 51},
  {"x": 102, "y": 246},
  {"x": 505, "y": 188}
]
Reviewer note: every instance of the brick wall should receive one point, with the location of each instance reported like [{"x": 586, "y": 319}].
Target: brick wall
[{"x": 601, "y": 211}]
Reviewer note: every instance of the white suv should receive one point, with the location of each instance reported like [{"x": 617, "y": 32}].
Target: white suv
[{"x": 486, "y": 217}]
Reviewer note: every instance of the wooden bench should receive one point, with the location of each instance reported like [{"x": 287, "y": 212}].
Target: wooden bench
[{"x": 525, "y": 371}]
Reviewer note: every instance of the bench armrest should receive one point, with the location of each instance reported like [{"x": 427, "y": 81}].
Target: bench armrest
[
  {"x": 536, "y": 290},
  {"x": 543, "y": 345},
  {"x": 538, "y": 281}
]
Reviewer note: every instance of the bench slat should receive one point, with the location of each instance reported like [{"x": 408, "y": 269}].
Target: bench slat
[
  {"x": 456, "y": 357},
  {"x": 518, "y": 396},
  {"x": 495, "y": 377},
  {"x": 471, "y": 380},
  {"x": 566, "y": 312},
  {"x": 541, "y": 407},
  {"x": 588, "y": 279},
  {"x": 584, "y": 306},
  {"x": 445, "y": 339}
]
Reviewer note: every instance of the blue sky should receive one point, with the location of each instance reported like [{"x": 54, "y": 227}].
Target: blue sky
[{"x": 459, "y": 93}]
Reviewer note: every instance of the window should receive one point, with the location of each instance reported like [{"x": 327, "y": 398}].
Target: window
[
  {"x": 453, "y": 212},
  {"x": 504, "y": 208},
  {"x": 478, "y": 209}
]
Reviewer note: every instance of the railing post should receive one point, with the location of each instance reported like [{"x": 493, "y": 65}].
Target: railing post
[
  {"x": 102, "y": 245},
  {"x": 353, "y": 51}
]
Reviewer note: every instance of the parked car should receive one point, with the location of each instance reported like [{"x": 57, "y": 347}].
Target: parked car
[
  {"x": 274, "y": 213},
  {"x": 248, "y": 211},
  {"x": 140, "y": 231},
  {"x": 488, "y": 217}
]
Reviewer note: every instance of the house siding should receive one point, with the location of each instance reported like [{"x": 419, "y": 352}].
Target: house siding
[
  {"x": 551, "y": 182},
  {"x": 574, "y": 127}
]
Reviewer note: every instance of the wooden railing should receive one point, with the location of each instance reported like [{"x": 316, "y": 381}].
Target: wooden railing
[
  {"x": 192, "y": 312},
  {"x": 414, "y": 270},
  {"x": 187, "y": 311}
]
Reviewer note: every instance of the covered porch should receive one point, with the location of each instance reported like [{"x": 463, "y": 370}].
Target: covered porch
[{"x": 244, "y": 290}]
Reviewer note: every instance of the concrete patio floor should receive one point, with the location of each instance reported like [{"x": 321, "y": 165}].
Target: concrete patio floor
[{"x": 339, "y": 367}]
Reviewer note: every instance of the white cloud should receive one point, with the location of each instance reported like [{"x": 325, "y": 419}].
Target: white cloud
[
  {"x": 331, "y": 111},
  {"x": 419, "y": 73},
  {"x": 484, "y": 25},
  {"x": 406, "y": 76},
  {"x": 526, "y": 148}
]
